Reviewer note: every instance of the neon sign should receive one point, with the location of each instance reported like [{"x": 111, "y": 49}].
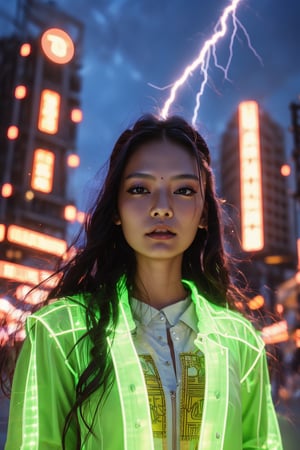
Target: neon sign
[
  {"x": 57, "y": 45},
  {"x": 250, "y": 177},
  {"x": 42, "y": 170},
  {"x": 25, "y": 274},
  {"x": 35, "y": 240},
  {"x": 49, "y": 111}
]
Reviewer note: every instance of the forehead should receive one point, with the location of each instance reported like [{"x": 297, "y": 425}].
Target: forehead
[{"x": 163, "y": 155}]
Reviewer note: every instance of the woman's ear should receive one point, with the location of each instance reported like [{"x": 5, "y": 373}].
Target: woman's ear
[
  {"x": 204, "y": 218},
  {"x": 202, "y": 224}
]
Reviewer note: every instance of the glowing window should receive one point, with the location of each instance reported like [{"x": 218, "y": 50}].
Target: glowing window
[
  {"x": 42, "y": 170},
  {"x": 250, "y": 177},
  {"x": 13, "y": 132},
  {"x": 57, "y": 45},
  {"x": 29, "y": 195},
  {"x": 20, "y": 92},
  {"x": 70, "y": 213},
  {"x": 7, "y": 190},
  {"x": 73, "y": 160},
  {"x": 76, "y": 115},
  {"x": 25, "y": 49},
  {"x": 256, "y": 302},
  {"x": 285, "y": 170},
  {"x": 49, "y": 111}
]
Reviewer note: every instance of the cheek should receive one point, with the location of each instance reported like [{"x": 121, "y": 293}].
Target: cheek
[
  {"x": 133, "y": 206},
  {"x": 128, "y": 211},
  {"x": 192, "y": 212}
]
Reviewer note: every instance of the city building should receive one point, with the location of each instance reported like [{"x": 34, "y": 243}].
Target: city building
[
  {"x": 40, "y": 87},
  {"x": 259, "y": 208}
]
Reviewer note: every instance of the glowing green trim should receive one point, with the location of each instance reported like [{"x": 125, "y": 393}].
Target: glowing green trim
[
  {"x": 137, "y": 426},
  {"x": 30, "y": 412},
  {"x": 30, "y": 432}
]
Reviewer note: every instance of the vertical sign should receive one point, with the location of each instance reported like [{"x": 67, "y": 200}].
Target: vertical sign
[
  {"x": 42, "y": 170},
  {"x": 49, "y": 111},
  {"x": 250, "y": 177}
]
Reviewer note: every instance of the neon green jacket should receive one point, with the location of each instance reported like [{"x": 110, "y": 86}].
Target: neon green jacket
[{"x": 238, "y": 412}]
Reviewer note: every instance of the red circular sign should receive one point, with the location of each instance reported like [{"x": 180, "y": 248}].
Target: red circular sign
[{"x": 57, "y": 45}]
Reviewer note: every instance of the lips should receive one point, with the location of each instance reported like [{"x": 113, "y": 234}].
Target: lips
[{"x": 161, "y": 233}]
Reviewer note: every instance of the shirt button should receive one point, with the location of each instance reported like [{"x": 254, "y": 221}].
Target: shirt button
[
  {"x": 218, "y": 435},
  {"x": 137, "y": 424},
  {"x": 217, "y": 394},
  {"x": 167, "y": 363},
  {"x": 132, "y": 387},
  {"x": 162, "y": 318}
]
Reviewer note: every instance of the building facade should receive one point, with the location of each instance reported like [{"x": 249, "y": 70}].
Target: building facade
[{"x": 258, "y": 204}]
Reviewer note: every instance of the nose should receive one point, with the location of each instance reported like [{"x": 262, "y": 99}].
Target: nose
[{"x": 162, "y": 207}]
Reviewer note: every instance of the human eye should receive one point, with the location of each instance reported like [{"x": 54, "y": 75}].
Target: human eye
[
  {"x": 185, "y": 191},
  {"x": 138, "y": 190}
]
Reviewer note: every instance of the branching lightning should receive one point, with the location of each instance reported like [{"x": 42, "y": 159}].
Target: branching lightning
[{"x": 207, "y": 51}]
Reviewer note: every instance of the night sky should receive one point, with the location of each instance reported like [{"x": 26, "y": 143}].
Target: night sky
[{"x": 131, "y": 44}]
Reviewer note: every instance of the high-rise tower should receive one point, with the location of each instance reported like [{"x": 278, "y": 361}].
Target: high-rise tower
[
  {"x": 40, "y": 87},
  {"x": 256, "y": 195}
]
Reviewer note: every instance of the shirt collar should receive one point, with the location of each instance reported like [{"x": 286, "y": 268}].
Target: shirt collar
[{"x": 183, "y": 311}]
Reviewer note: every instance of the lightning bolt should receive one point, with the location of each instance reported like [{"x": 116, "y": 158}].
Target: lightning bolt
[{"x": 204, "y": 57}]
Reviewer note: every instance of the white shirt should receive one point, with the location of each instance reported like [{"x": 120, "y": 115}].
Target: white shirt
[{"x": 175, "y": 392}]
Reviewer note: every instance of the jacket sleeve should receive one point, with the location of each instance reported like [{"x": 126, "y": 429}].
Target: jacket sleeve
[
  {"x": 42, "y": 393},
  {"x": 260, "y": 424}
]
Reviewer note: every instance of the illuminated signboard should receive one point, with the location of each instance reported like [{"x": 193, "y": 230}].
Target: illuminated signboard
[
  {"x": 57, "y": 45},
  {"x": 49, "y": 111},
  {"x": 25, "y": 274},
  {"x": 250, "y": 177},
  {"x": 42, "y": 170},
  {"x": 35, "y": 240},
  {"x": 277, "y": 332},
  {"x": 25, "y": 294}
]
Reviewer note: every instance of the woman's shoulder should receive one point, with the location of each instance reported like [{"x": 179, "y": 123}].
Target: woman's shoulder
[
  {"x": 60, "y": 315},
  {"x": 234, "y": 324},
  {"x": 57, "y": 328}
]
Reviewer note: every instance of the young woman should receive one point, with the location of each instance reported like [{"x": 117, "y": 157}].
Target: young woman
[{"x": 140, "y": 346}]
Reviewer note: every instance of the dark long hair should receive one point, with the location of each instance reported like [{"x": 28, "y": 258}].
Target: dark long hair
[{"x": 106, "y": 256}]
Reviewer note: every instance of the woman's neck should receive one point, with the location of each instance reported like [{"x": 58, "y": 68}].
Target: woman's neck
[{"x": 159, "y": 284}]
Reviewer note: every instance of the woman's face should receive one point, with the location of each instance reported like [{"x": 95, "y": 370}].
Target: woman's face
[{"x": 160, "y": 201}]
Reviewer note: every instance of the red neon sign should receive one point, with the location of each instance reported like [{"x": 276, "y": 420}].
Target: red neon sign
[
  {"x": 25, "y": 274},
  {"x": 35, "y": 240},
  {"x": 57, "y": 45},
  {"x": 42, "y": 170},
  {"x": 250, "y": 177},
  {"x": 49, "y": 111}
]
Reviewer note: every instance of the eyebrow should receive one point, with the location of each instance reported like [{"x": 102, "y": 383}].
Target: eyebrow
[{"x": 181, "y": 176}]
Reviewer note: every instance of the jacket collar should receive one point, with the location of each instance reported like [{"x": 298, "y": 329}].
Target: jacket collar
[{"x": 205, "y": 310}]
